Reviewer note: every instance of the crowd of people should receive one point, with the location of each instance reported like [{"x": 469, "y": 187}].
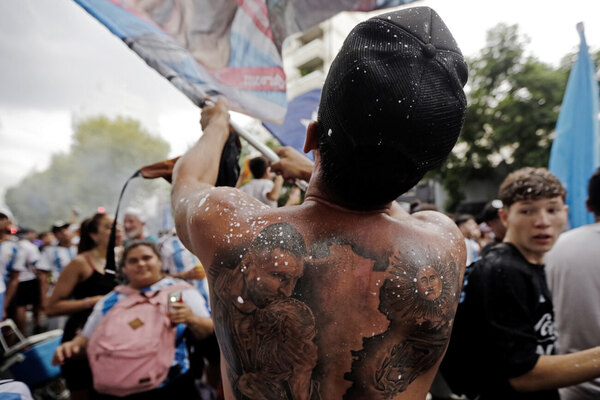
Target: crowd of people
[{"x": 341, "y": 292}]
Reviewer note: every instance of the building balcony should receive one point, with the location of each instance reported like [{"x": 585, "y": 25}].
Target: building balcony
[
  {"x": 309, "y": 56},
  {"x": 308, "y": 82}
]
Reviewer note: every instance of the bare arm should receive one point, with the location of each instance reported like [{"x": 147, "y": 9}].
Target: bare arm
[
  {"x": 197, "y": 170},
  {"x": 292, "y": 164},
  {"x": 201, "y": 327},
  {"x": 557, "y": 371},
  {"x": 294, "y": 198},
  {"x": 43, "y": 276},
  {"x": 11, "y": 288},
  {"x": 59, "y": 303},
  {"x": 69, "y": 349},
  {"x": 273, "y": 195}
]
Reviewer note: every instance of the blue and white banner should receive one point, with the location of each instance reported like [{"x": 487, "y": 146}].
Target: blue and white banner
[
  {"x": 301, "y": 111},
  {"x": 227, "y": 49}
]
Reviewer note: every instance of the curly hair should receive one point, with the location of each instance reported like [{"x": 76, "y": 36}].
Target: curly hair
[{"x": 530, "y": 184}]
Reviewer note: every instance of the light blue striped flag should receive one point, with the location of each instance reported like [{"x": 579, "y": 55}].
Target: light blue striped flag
[{"x": 575, "y": 154}]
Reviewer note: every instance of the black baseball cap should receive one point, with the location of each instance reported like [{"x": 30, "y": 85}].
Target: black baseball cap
[
  {"x": 397, "y": 84},
  {"x": 490, "y": 211},
  {"x": 58, "y": 225}
]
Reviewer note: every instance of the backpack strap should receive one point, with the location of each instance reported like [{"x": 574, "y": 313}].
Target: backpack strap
[
  {"x": 177, "y": 286},
  {"x": 128, "y": 291}
]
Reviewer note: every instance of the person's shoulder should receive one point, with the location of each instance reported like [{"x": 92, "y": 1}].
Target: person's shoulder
[
  {"x": 501, "y": 259},
  {"x": 166, "y": 282},
  {"x": 151, "y": 238},
  {"x": 433, "y": 218},
  {"x": 578, "y": 235},
  {"x": 435, "y": 224},
  {"x": 49, "y": 249},
  {"x": 10, "y": 245},
  {"x": 79, "y": 262}
]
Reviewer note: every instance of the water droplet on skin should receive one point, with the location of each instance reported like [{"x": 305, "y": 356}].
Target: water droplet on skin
[
  {"x": 329, "y": 132},
  {"x": 240, "y": 300}
]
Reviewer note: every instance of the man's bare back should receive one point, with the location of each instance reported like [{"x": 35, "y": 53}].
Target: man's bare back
[
  {"x": 318, "y": 302},
  {"x": 342, "y": 297}
]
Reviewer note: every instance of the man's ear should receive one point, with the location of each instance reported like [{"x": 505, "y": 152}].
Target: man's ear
[{"x": 312, "y": 137}]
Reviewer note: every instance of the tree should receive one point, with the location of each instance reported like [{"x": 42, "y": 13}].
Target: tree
[
  {"x": 104, "y": 153},
  {"x": 513, "y": 105}
]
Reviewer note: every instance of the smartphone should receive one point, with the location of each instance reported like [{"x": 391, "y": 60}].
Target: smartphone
[{"x": 174, "y": 297}]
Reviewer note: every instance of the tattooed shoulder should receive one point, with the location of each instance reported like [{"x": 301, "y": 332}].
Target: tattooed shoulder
[{"x": 419, "y": 298}]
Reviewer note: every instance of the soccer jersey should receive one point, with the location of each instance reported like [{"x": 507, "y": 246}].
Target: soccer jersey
[
  {"x": 177, "y": 259},
  {"x": 55, "y": 258},
  {"x": 30, "y": 255},
  {"x": 9, "y": 261}
]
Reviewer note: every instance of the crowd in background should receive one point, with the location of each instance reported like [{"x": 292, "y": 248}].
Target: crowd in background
[{"x": 56, "y": 279}]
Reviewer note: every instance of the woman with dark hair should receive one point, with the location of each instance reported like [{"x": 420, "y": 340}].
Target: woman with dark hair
[
  {"x": 79, "y": 287},
  {"x": 141, "y": 264}
]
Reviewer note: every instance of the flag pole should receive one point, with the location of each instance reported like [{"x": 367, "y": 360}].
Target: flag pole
[{"x": 261, "y": 147}]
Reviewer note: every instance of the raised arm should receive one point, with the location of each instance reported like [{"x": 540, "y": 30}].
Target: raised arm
[
  {"x": 197, "y": 170},
  {"x": 274, "y": 194},
  {"x": 292, "y": 164}
]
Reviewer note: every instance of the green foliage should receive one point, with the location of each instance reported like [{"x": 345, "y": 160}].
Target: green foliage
[
  {"x": 514, "y": 103},
  {"x": 104, "y": 153}
]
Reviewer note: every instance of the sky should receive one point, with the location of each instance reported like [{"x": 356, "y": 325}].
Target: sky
[{"x": 58, "y": 65}]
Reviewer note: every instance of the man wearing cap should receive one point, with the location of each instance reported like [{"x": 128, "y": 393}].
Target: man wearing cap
[
  {"x": 11, "y": 265},
  {"x": 468, "y": 227},
  {"x": 52, "y": 261},
  {"x": 345, "y": 296},
  {"x": 490, "y": 217}
]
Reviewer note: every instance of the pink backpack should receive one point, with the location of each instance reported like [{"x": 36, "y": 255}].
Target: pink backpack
[{"x": 133, "y": 346}]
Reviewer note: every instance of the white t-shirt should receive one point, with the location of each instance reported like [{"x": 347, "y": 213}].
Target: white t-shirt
[
  {"x": 14, "y": 390},
  {"x": 573, "y": 274},
  {"x": 9, "y": 261},
  {"x": 30, "y": 254},
  {"x": 55, "y": 258},
  {"x": 258, "y": 188}
]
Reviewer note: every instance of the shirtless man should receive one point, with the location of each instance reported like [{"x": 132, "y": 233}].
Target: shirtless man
[{"x": 344, "y": 296}]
